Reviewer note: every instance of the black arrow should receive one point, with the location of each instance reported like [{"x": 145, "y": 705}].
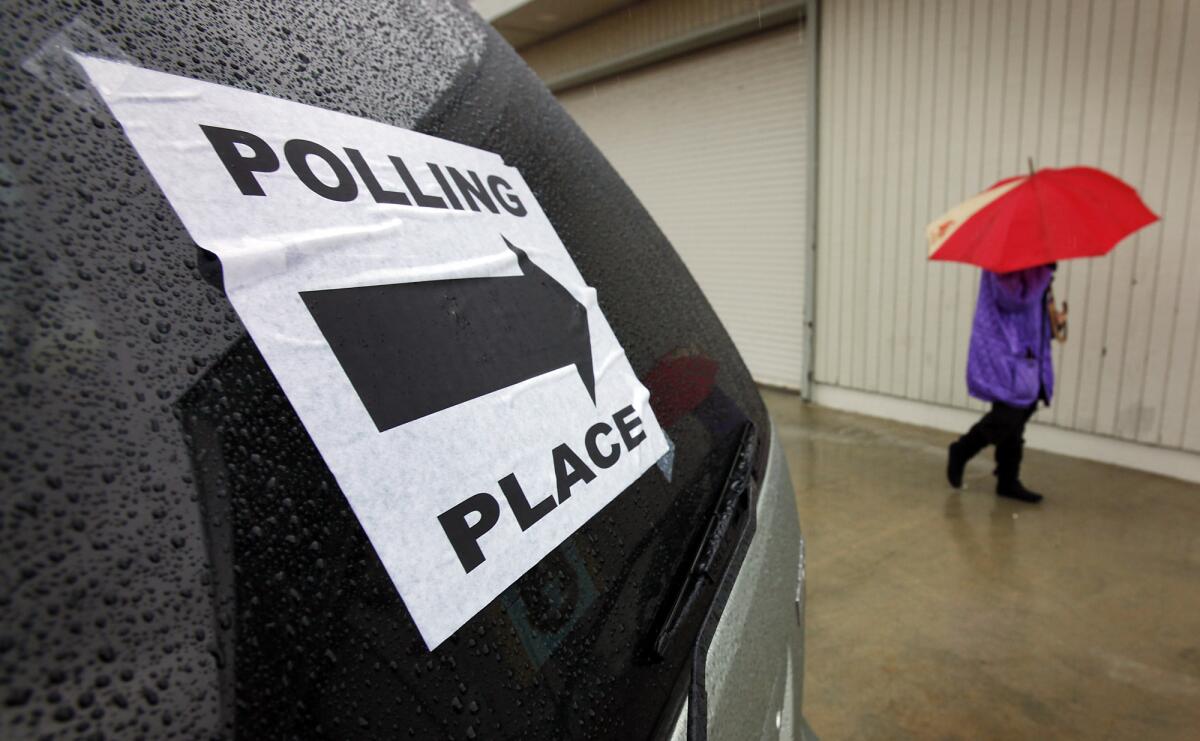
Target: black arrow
[{"x": 412, "y": 349}]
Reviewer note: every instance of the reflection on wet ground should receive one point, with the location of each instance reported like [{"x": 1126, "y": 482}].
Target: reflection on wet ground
[{"x": 942, "y": 614}]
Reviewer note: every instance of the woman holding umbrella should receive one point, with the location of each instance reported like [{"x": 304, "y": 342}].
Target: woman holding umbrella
[
  {"x": 1009, "y": 365},
  {"x": 1017, "y": 231}
]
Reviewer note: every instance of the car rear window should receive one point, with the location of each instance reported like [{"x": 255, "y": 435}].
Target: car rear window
[{"x": 178, "y": 557}]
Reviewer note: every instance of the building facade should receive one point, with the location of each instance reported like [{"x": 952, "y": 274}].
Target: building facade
[{"x": 793, "y": 153}]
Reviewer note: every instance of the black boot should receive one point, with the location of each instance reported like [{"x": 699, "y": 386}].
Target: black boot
[
  {"x": 955, "y": 465},
  {"x": 1008, "y": 471},
  {"x": 963, "y": 450},
  {"x": 1014, "y": 489}
]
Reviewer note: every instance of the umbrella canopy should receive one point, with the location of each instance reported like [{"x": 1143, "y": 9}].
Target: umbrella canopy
[{"x": 1037, "y": 219}]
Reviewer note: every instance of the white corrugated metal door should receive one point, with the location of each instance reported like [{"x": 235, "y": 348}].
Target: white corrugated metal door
[
  {"x": 930, "y": 103},
  {"x": 713, "y": 143}
]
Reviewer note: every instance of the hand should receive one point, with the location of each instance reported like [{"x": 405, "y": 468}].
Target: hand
[{"x": 1060, "y": 323}]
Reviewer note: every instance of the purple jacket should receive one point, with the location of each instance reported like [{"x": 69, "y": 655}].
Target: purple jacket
[{"x": 1010, "y": 360}]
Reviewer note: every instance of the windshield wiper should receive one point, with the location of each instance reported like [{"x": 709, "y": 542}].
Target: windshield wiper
[{"x": 725, "y": 527}]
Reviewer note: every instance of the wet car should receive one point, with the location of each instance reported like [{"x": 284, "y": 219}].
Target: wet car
[{"x": 191, "y": 545}]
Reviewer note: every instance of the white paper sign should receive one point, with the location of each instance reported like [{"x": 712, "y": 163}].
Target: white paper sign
[{"x": 423, "y": 318}]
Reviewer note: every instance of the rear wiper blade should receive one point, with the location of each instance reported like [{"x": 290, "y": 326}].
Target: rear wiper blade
[{"x": 721, "y": 535}]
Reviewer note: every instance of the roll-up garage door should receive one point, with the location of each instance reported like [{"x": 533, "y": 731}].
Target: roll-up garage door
[{"x": 714, "y": 145}]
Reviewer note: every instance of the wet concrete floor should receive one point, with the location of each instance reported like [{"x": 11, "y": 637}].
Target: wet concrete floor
[{"x": 936, "y": 614}]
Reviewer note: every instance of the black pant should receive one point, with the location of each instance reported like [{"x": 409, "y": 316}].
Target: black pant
[{"x": 1004, "y": 427}]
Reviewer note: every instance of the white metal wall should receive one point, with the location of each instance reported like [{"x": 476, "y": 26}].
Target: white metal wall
[
  {"x": 713, "y": 143},
  {"x": 926, "y": 102}
]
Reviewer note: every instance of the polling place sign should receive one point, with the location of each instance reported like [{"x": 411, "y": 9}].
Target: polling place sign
[{"x": 422, "y": 316}]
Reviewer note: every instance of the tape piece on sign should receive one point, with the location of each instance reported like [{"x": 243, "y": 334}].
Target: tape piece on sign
[
  {"x": 470, "y": 444},
  {"x": 666, "y": 464},
  {"x": 54, "y": 62}
]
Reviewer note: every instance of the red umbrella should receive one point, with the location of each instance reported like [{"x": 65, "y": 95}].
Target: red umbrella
[{"x": 1040, "y": 218}]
